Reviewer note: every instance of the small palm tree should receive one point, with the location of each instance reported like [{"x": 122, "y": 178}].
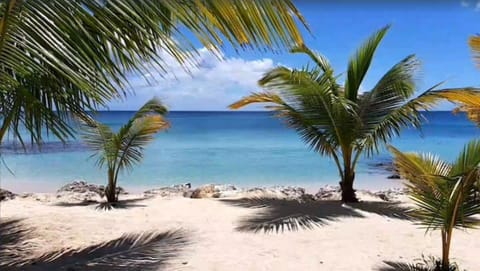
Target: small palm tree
[
  {"x": 122, "y": 150},
  {"x": 444, "y": 193},
  {"x": 340, "y": 121}
]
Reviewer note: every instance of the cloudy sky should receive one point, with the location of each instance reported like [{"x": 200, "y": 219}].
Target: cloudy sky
[{"x": 436, "y": 32}]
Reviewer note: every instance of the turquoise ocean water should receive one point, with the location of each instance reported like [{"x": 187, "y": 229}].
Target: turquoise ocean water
[{"x": 242, "y": 148}]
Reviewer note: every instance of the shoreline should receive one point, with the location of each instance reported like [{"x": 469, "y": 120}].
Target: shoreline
[
  {"x": 84, "y": 191},
  {"x": 375, "y": 181}
]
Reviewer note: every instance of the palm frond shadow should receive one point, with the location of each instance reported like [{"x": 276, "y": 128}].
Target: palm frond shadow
[
  {"x": 424, "y": 264},
  {"x": 400, "y": 266},
  {"x": 145, "y": 251},
  {"x": 278, "y": 215},
  {"x": 13, "y": 235},
  {"x": 121, "y": 204}
]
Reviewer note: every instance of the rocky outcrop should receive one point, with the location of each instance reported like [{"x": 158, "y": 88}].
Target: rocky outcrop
[
  {"x": 6, "y": 195},
  {"x": 83, "y": 191},
  {"x": 214, "y": 191},
  {"x": 283, "y": 192},
  {"x": 392, "y": 194},
  {"x": 329, "y": 192},
  {"x": 334, "y": 193},
  {"x": 178, "y": 190}
]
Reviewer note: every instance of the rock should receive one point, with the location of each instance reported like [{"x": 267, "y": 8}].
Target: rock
[
  {"x": 307, "y": 198},
  {"x": 214, "y": 191},
  {"x": 394, "y": 176},
  {"x": 82, "y": 191},
  {"x": 206, "y": 191},
  {"x": 282, "y": 192},
  {"x": 329, "y": 192},
  {"x": 6, "y": 195},
  {"x": 178, "y": 190},
  {"x": 391, "y": 194}
]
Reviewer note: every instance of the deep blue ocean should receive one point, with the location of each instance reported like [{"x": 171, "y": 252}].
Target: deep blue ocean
[{"x": 242, "y": 148}]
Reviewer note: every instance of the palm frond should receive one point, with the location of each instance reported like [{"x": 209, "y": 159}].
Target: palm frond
[
  {"x": 474, "y": 43},
  {"x": 360, "y": 63},
  {"x": 146, "y": 251},
  {"x": 99, "y": 138},
  {"x": 444, "y": 193},
  {"x": 428, "y": 185},
  {"x": 311, "y": 134},
  {"x": 73, "y": 55},
  {"x": 468, "y": 160},
  {"x": 306, "y": 101},
  {"x": 134, "y": 136},
  {"x": 322, "y": 62},
  {"x": 153, "y": 106},
  {"x": 255, "y": 24},
  {"x": 473, "y": 112},
  {"x": 381, "y": 109}
]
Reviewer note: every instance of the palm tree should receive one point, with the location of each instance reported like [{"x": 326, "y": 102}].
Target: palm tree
[
  {"x": 122, "y": 150},
  {"x": 340, "y": 121},
  {"x": 444, "y": 193},
  {"x": 64, "y": 57},
  {"x": 473, "y": 110}
]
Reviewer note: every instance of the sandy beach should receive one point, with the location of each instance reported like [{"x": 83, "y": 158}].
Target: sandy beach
[{"x": 239, "y": 234}]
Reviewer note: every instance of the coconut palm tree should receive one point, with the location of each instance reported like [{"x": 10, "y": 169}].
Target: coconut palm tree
[
  {"x": 444, "y": 193},
  {"x": 472, "y": 111},
  {"x": 122, "y": 150},
  {"x": 64, "y": 57},
  {"x": 341, "y": 121}
]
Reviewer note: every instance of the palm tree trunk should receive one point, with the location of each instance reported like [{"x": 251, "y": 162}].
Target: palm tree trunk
[
  {"x": 446, "y": 241},
  {"x": 445, "y": 250},
  {"x": 110, "y": 190},
  {"x": 348, "y": 193},
  {"x": 348, "y": 176}
]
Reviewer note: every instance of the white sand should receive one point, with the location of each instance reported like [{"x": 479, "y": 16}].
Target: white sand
[{"x": 347, "y": 244}]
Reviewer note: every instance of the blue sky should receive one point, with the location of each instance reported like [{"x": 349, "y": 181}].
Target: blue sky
[{"x": 437, "y": 32}]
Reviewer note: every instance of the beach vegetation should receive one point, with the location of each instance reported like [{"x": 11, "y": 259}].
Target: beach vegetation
[
  {"x": 122, "y": 150},
  {"x": 345, "y": 121},
  {"x": 445, "y": 194}
]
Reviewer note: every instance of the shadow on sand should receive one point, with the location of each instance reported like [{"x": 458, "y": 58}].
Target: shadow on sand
[
  {"x": 13, "y": 235},
  {"x": 279, "y": 215},
  {"x": 143, "y": 251},
  {"x": 121, "y": 204},
  {"x": 401, "y": 266}
]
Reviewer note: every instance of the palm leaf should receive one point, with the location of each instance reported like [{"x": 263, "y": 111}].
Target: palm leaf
[
  {"x": 468, "y": 160},
  {"x": 444, "y": 193},
  {"x": 360, "y": 63},
  {"x": 381, "y": 109},
  {"x": 153, "y": 106},
  {"x": 307, "y": 103},
  {"x": 146, "y": 251},
  {"x": 428, "y": 184},
  {"x": 98, "y": 137},
  {"x": 473, "y": 113},
  {"x": 133, "y": 137},
  {"x": 322, "y": 62},
  {"x": 73, "y": 55},
  {"x": 474, "y": 43}
]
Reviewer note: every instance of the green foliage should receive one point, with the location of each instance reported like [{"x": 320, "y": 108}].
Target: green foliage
[
  {"x": 123, "y": 150},
  {"x": 342, "y": 122},
  {"x": 445, "y": 194},
  {"x": 60, "y": 58}
]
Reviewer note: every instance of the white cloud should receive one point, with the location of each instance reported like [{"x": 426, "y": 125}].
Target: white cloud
[
  {"x": 464, "y": 4},
  {"x": 213, "y": 85}
]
